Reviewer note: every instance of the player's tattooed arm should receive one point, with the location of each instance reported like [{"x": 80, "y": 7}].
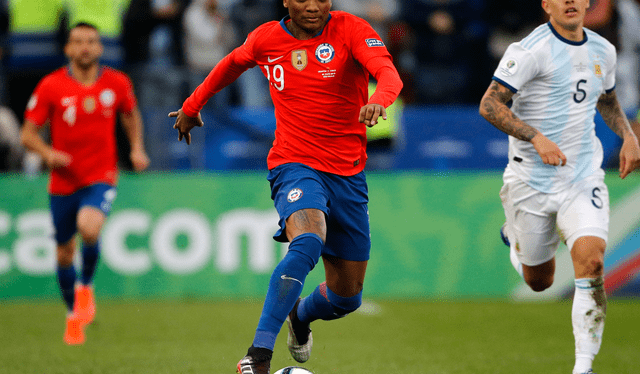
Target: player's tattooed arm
[
  {"x": 494, "y": 109},
  {"x": 613, "y": 116}
]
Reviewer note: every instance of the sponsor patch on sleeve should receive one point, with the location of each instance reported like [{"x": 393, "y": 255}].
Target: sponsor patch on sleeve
[{"x": 374, "y": 42}]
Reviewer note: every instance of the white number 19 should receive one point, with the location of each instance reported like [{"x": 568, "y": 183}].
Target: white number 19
[{"x": 278, "y": 76}]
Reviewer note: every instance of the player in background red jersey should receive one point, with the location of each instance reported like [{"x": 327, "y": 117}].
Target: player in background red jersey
[
  {"x": 80, "y": 103},
  {"x": 318, "y": 64}
]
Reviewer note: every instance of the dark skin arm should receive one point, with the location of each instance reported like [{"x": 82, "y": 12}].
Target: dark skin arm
[
  {"x": 614, "y": 117},
  {"x": 493, "y": 107}
]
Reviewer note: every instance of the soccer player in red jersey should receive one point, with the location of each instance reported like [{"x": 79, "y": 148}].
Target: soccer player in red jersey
[
  {"x": 318, "y": 64},
  {"x": 80, "y": 102}
]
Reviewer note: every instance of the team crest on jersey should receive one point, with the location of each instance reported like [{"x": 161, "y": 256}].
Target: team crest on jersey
[
  {"x": 325, "y": 52},
  {"x": 299, "y": 59},
  {"x": 107, "y": 97},
  {"x": 294, "y": 195},
  {"x": 509, "y": 68},
  {"x": 374, "y": 42},
  {"x": 89, "y": 104},
  {"x": 598, "y": 70}
]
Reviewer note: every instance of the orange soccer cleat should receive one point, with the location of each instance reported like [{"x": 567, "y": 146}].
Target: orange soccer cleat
[
  {"x": 74, "y": 333},
  {"x": 85, "y": 305}
]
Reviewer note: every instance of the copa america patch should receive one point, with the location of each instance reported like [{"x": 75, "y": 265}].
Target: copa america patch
[
  {"x": 294, "y": 195},
  {"x": 374, "y": 43},
  {"x": 325, "y": 52},
  {"x": 509, "y": 68}
]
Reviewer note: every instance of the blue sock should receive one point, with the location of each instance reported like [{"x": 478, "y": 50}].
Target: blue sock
[
  {"x": 90, "y": 255},
  {"x": 285, "y": 287},
  {"x": 326, "y": 305},
  {"x": 66, "y": 280}
]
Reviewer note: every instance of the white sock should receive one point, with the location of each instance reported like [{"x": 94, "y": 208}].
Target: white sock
[
  {"x": 588, "y": 315},
  {"x": 516, "y": 262}
]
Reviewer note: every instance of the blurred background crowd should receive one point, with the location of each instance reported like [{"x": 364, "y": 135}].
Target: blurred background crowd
[{"x": 445, "y": 50}]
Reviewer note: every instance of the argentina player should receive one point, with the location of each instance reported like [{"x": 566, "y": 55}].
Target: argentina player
[{"x": 554, "y": 185}]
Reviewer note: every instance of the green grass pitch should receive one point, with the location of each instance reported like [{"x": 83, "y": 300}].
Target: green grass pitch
[{"x": 425, "y": 337}]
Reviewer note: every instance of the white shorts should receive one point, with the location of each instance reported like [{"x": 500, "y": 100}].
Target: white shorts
[{"x": 537, "y": 221}]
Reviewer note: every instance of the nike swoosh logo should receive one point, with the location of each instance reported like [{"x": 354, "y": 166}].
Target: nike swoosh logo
[
  {"x": 284, "y": 277},
  {"x": 275, "y": 59}
]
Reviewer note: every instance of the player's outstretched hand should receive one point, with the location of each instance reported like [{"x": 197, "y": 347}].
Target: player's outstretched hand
[
  {"x": 57, "y": 159},
  {"x": 184, "y": 124},
  {"x": 629, "y": 156},
  {"x": 369, "y": 114},
  {"x": 139, "y": 159},
  {"x": 549, "y": 151}
]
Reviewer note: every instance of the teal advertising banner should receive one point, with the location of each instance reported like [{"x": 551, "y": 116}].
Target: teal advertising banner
[{"x": 197, "y": 235}]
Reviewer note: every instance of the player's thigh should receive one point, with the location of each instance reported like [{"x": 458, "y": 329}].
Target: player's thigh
[
  {"x": 300, "y": 198},
  {"x": 531, "y": 224},
  {"x": 585, "y": 212},
  {"x": 344, "y": 277},
  {"x": 306, "y": 221},
  {"x": 95, "y": 205}
]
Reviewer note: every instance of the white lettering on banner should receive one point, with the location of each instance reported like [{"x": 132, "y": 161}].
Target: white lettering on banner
[
  {"x": 35, "y": 249},
  {"x": 116, "y": 254},
  {"x": 163, "y": 239},
  {"x": 258, "y": 227},
  {"x": 5, "y": 258}
]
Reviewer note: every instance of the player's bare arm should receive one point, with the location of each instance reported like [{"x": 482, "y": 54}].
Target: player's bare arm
[
  {"x": 494, "y": 109},
  {"x": 132, "y": 124},
  {"x": 614, "y": 117},
  {"x": 31, "y": 139},
  {"x": 184, "y": 124},
  {"x": 370, "y": 113}
]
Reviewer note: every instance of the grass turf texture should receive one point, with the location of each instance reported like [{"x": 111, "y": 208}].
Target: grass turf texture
[{"x": 393, "y": 337}]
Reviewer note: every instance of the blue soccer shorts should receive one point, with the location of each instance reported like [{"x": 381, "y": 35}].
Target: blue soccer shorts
[
  {"x": 64, "y": 209},
  {"x": 343, "y": 199}
]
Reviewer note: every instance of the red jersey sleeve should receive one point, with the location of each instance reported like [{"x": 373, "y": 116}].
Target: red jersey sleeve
[
  {"x": 224, "y": 73},
  {"x": 370, "y": 51},
  {"x": 128, "y": 102},
  {"x": 39, "y": 107}
]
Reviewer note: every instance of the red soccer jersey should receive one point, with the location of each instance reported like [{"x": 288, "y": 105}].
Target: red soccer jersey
[
  {"x": 83, "y": 120},
  {"x": 317, "y": 86}
]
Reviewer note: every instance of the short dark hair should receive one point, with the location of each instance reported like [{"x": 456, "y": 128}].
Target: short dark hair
[{"x": 81, "y": 24}]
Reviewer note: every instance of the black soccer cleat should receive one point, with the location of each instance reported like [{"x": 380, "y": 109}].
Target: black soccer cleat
[{"x": 257, "y": 361}]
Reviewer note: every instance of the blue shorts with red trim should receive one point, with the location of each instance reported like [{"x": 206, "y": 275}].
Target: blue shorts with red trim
[{"x": 344, "y": 200}]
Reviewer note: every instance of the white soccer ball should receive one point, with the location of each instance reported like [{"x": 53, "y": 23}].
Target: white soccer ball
[{"x": 293, "y": 370}]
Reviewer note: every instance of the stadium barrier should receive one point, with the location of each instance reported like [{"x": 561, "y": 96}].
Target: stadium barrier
[{"x": 182, "y": 235}]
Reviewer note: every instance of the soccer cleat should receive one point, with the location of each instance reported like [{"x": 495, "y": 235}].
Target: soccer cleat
[
  {"x": 74, "y": 333},
  {"x": 250, "y": 366},
  {"x": 503, "y": 236},
  {"x": 85, "y": 306},
  {"x": 587, "y": 372},
  {"x": 300, "y": 339}
]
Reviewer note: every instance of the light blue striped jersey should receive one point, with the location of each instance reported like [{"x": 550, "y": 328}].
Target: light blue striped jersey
[{"x": 557, "y": 83}]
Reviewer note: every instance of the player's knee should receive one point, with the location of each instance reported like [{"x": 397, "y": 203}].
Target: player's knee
[
  {"x": 89, "y": 233},
  {"x": 64, "y": 256},
  {"x": 540, "y": 284}
]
